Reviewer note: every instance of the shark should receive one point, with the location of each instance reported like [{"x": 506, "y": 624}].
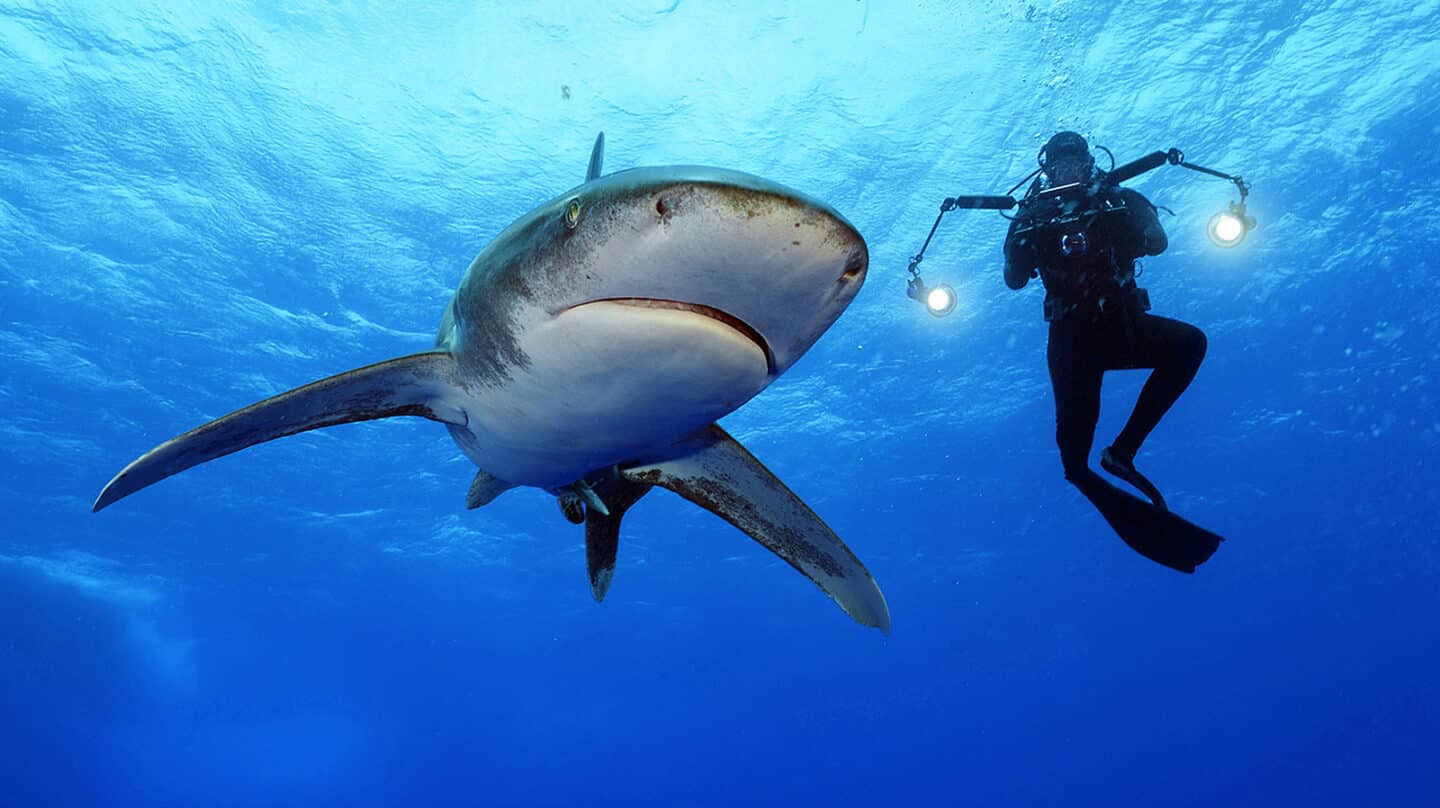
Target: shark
[{"x": 589, "y": 351}]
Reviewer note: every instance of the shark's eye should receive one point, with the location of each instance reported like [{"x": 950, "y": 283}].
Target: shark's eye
[{"x": 572, "y": 213}]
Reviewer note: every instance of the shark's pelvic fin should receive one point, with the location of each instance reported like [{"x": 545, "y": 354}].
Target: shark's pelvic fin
[
  {"x": 597, "y": 158},
  {"x": 724, "y": 478},
  {"x": 485, "y": 489},
  {"x": 411, "y": 385},
  {"x": 602, "y": 531},
  {"x": 571, "y": 506}
]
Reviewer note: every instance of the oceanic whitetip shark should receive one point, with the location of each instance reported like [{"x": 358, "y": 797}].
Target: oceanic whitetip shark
[{"x": 589, "y": 351}]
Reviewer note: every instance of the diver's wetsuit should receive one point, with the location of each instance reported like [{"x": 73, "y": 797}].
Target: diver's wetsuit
[{"x": 1084, "y": 249}]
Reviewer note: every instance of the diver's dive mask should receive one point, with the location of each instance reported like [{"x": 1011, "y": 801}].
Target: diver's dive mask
[{"x": 1066, "y": 159}]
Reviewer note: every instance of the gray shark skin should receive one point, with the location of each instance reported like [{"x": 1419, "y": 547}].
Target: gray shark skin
[{"x": 591, "y": 347}]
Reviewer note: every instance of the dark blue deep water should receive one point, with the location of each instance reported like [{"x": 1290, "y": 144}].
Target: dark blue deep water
[{"x": 205, "y": 204}]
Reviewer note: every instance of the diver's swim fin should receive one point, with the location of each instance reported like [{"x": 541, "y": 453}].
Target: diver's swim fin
[
  {"x": 1157, "y": 534},
  {"x": 1125, "y": 470}
]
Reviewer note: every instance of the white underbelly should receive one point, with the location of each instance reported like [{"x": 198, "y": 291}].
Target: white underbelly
[{"x": 607, "y": 383}]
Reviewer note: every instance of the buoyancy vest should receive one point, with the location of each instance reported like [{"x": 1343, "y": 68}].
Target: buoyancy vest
[{"x": 1077, "y": 250}]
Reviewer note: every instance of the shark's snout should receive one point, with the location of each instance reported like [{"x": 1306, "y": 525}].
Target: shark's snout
[{"x": 775, "y": 264}]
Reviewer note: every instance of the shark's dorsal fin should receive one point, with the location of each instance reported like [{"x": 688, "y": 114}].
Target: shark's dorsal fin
[
  {"x": 725, "y": 479},
  {"x": 597, "y": 158},
  {"x": 411, "y": 385}
]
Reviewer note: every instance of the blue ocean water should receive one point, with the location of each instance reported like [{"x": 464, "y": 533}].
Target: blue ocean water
[{"x": 204, "y": 204}]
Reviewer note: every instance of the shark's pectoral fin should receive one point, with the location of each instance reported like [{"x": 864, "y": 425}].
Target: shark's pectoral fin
[
  {"x": 418, "y": 384},
  {"x": 724, "y": 478},
  {"x": 602, "y": 531},
  {"x": 485, "y": 489}
]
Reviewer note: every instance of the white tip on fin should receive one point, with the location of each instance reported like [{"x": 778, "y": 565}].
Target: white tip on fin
[{"x": 725, "y": 479}]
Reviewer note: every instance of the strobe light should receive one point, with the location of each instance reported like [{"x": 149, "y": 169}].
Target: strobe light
[
  {"x": 939, "y": 300},
  {"x": 1230, "y": 226}
]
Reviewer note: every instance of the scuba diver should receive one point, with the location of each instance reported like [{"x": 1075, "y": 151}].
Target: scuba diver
[{"x": 1081, "y": 234}]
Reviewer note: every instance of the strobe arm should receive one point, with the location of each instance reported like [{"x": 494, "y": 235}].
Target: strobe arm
[
  {"x": 954, "y": 203},
  {"x": 1174, "y": 157},
  {"x": 980, "y": 202},
  {"x": 1135, "y": 168}
]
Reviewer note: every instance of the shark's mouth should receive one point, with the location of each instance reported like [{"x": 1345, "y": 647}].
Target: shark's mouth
[{"x": 725, "y": 317}]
